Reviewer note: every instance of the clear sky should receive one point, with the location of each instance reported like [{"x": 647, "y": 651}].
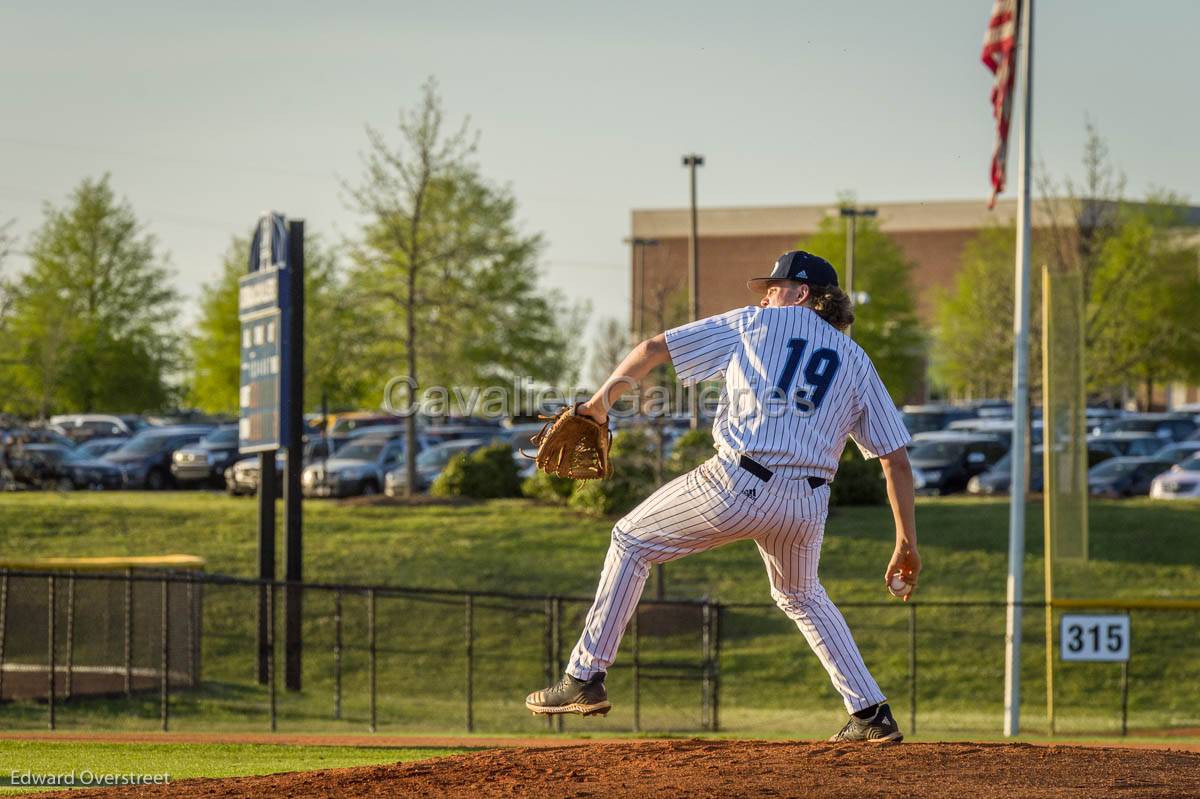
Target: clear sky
[{"x": 208, "y": 113}]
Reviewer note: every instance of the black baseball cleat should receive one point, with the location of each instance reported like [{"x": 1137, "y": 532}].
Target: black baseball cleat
[
  {"x": 571, "y": 695},
  {"x": 879, "y": 729}
]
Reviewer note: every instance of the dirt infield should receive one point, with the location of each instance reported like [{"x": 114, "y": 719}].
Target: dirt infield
[{"x": 700, "y": 768}]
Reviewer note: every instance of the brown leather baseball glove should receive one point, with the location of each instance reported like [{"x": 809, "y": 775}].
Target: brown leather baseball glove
[{"x": 573, "y": 445}]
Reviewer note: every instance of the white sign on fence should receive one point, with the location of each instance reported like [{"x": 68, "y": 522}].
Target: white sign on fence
[{"x": 1091, "y": 636}]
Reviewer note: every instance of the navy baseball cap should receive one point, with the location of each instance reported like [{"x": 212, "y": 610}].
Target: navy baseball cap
[{"x": 800, "y": 267}]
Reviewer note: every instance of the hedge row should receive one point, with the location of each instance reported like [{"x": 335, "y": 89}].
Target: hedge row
[{"x": 491, "y": 472}]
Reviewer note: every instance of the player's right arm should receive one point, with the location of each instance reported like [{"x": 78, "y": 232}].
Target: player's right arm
[
  {"x": 898, "y": 472},
  {"x": 637, "y": 364},
  {"x": 880, "y": 433},
  {"x": 699, "y": 350}
]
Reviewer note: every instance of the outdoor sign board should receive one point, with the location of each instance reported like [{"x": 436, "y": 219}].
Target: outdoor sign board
[{"x": 262, "y": 299}]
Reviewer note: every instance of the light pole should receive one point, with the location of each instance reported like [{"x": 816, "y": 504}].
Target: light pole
[
  {"x": 691, "y": 161},
  {"x": 637, "y": 320},
  {"x": 851, "y": 214}
]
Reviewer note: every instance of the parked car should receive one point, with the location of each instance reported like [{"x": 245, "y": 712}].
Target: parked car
[
  {"x": 1096, "y": 416},
  {"x": 440, "y": 434},
  {"x": 931, "y": 418},
  {"x": 242, "y": 476},
  {"x": 382, "y": 431},
  {"x": 85, "y": 426},
  {"x": 998, "y": 479},
  {"x": 322, "y": 446},
  {"x": 993, "y": 409},
  {"x": 99, "y": 447},
  {"x": 82, "y": 470},
  {"x": 393, "y": 430},
  {"x": 357, "y": 468},
  {"x": 430, "y": 464},
  {"x": 204, "y": 462},
  {"x": 315, "y": 424},
  {"x": 1181, "y": 481},
  {"x": 345, "y": 423},
  {"x": 520, "y": 438},
  {"x": 1167, "y": 426},
  {"x": 146, "y": 458},
  {"x": 1178, "y": 451},
  {"x": 1126, "y": 444},
  {"x": 1125, "y": 477},
  {"x": 41, "y": 435},
  {"x": 36, "y": 465},
  {"x": 1000, "y": 428},
  {"x": 948, "y": 460},
  {"x": 62, "y": 468}
]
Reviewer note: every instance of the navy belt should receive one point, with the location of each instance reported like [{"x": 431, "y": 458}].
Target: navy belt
[{"x": 763, "y": 473}]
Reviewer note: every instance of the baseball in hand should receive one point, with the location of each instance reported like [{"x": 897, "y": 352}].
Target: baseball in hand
[{"x": 897, "y": 586}]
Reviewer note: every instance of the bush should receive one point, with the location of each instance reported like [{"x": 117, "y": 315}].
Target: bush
[
  {"x": 859, "y": 481},
  {"x": 486, "y": 473},
  {"x": 548, "y": 488},
  {"x": 633, "y": 453},
  {"x": 691, "y": 449}
]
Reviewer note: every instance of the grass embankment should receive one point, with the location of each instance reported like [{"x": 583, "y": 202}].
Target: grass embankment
[
  {"x": 769, "y": 681},
  {"x": 84, "y": 762}
]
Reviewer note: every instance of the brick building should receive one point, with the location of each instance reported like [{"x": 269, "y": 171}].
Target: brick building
[{"x": 739, "y": 243}]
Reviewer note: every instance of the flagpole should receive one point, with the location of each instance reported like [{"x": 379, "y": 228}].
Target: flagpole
[{"x": 1020, "y": 440}]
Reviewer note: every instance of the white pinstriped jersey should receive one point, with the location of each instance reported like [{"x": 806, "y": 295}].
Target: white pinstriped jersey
[{"x": 795, "y": 387}]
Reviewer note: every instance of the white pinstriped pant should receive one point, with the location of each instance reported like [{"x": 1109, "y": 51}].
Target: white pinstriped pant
[{"x": 707, "y": 508}]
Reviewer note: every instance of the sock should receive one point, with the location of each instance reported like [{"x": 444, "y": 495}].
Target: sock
[{"x": 867, "y": 713}]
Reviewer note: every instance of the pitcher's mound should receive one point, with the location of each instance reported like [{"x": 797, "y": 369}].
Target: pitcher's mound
[{"x": 707, "y": 768}]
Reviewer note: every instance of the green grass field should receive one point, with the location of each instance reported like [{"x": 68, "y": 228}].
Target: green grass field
[
  {"x": 181, "y": 761},
  {"x": 770, "y": 682}
]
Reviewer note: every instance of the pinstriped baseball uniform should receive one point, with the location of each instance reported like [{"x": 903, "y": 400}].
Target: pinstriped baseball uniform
[{"x": 795, "y": 390}]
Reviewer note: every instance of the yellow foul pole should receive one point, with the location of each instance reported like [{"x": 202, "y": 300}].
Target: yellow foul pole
[{"x": 1049, "y": 480}]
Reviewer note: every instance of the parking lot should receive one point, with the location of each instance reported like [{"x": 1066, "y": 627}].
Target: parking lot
[
  {"x": 956, "y": 448},
  {"x": 357, "y": 454},
  {"x": 959, "y": 448}
]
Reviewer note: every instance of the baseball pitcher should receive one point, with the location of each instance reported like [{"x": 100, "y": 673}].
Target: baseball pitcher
[{"x": 796, "y": 388}]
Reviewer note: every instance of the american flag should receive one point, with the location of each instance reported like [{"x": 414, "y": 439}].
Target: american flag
[{"x": 999, "y": 55}]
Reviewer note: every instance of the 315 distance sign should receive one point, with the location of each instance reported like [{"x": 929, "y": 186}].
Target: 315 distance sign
[{"x": 1093, "y": 636}]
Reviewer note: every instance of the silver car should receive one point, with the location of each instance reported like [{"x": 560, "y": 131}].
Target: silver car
[
  {"x": 356, "y": 469},
  {"x": 430, "y": 464}
]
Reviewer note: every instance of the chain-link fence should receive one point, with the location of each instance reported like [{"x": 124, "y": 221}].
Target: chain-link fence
[
  {"x": 66, "y": 636},
  {"x": 182, "y": 651}
]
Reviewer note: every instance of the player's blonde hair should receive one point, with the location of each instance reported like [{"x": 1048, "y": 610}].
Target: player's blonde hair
[{"x": 831, "y": 304}]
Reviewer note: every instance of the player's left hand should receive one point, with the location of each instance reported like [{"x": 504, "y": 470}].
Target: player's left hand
[
  {"x": 905, "y": 562},
  {"x": 573, "y": 445}
]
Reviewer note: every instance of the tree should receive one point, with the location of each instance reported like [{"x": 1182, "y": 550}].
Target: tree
[
  {"x": 215, "y": 347},
  {"x": 447, "y": 279},
  {"x": 1138, "y": 274},
  {"x": 886, "y": 324},
  {"x": 1139, "y": 288},
  {"x": 1141, "y": 312},
  {"x": 973, "y": 342},
  {"x": 92, "y": 319},
  {"x": 6, "y": 286},
  {"x": 332, "y": 366}
]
